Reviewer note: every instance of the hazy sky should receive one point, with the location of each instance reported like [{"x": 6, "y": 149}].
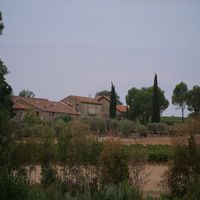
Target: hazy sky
[{"x": 60, "y": 47}]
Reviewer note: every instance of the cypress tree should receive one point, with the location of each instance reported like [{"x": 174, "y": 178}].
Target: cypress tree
[
  {"x": 113, "y": 102},
  {"x": 155, "y": 102}
]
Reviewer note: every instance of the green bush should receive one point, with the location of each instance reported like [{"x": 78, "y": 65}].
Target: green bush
[
  {"x": 126, "y": 127},
  {"x": 114, "y": 164},
  {"x": 123, "y": 191},
  {"x": 184, "y": 169},
  {"x": 158, "y": 128},
  {"x": 114, "y": 125},
  {"x": 48, "y": 175},
  {"x": 12, "y": 187},
  {"x": 141, "y": 129}
]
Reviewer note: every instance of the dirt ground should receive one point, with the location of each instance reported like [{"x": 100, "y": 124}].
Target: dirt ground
[
  {"x": 142, "y": 140},
  {"x": 152, "y": 184}
]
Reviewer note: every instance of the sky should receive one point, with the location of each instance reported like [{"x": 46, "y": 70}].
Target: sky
[{"x": 57, "y": 48}]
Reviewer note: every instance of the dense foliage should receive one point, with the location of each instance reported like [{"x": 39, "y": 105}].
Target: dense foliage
[
  {"x": 155, "y": 102},
  {"x": 179, "y": 97},
  {"x": 140, "y": 103},
  {"x": 113, "y": 102}
]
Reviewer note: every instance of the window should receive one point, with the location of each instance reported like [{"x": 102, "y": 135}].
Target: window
[{"x": 92, "y": 110}]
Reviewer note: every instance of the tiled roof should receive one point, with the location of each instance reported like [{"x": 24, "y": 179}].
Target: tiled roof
[
  {"x": 43, "y": 104},
  {"x": 121, "y": 108},
  {"x": 20, "y": 106},
  {"x": 85, "y": 99},
  {"x": 98, "y": 98}
]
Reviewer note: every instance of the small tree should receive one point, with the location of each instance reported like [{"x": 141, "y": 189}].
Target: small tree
[
  {"x": 113, "y": 102},
  {"x": 27, "y": 93},
  {"x": 1, "y": 24},
  {"x": 185, "y": 168},
  {"x": 114, "y": 164},
  {"x": 155, "y": 102},
  {"x": 193, "y": 99},
  {"x": 179, "y": 97}
]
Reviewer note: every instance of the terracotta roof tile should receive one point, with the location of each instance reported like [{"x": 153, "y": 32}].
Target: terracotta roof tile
[
  {"x": 84, "y": 99},
  {"x": 98, "y": 98},
  {"x": 44, "y": 104},
  {"x": 122, "y": 108},
  {"x": 20, "y": 106}
]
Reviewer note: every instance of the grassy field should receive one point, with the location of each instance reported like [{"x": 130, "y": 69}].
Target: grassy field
[{"x": 171, "y": 119}]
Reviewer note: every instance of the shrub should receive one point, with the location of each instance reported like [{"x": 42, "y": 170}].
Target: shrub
[
  {"x": 114, "y": 125},
  {"x": 65, "y": 118},
  {"x": 98, "y": 125},
  {"x": 48, "y": 175},
  {"x": 158, "y": 128},
  {"x": 114, "y": 164},
  {"x": 125, "y": 127},
  {"x": 184, "y": 168},
  {"x": 12, "y": 186},
  {"x": 137, "y": 161},
  {"x": 141, "y": 129},
  {"x": 58, "y": 127}
]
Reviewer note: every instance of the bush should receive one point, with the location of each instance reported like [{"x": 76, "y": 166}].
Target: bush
[
  {"x": 184, "y": 169},
  {"x": 114, "y": 125},
  {"x": 48, "y": 175},
  {"x": 65, "y": 118},
  {"x": 114, "y": 164},
  {"x": 141, "y": 129},
  {"x": 158, "y": 128},
  {"x": 126, "y": 127},
  {"x": 12, "y": 186},
  {"x": 58, "y": 127}
]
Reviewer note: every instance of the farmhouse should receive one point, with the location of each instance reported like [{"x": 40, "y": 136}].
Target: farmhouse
[
  {"x": 43, "y": 108},
  {"x": 105, "y": 101},
  {"x": 86, "y": 106}
]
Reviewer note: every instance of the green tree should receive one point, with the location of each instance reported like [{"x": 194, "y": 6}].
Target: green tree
[
  {"x": 113, "y": 102},
  {"x": 107, "y": 94},
  {"x": 5, "y": 91},
  {"x": 179, "y": 97},
  {"x": 5, "y": 115},
  {"x": 1, "y": 24},
  {"x": 139, "y": 103},
  {"x": 155, "y": 102},
  {"x": 132, "y": 93},
  {"x": 27, "y": 93},
  {"x": 193, "y": 99}
]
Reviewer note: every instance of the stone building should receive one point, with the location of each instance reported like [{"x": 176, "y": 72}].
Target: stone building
[
  {"x": 86, "y": 106},
  {"x": 105, "y": 101},
  {"x": 43, "y": 108}
]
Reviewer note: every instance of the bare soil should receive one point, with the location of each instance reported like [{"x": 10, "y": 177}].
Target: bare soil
[
  {"x": 165, "y": 140},
  {"x": 152, "y": 184}
]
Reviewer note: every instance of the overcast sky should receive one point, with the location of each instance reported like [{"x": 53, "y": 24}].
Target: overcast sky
[{"x": 61, "y": 47}]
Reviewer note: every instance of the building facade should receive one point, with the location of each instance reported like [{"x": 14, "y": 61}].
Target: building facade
[
  {"x": 86, "y": 106},
  {"x": 43, "y": 108}
]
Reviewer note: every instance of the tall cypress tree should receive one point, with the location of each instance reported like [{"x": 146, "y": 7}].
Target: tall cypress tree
[
  {"x": 155, "y": 102},
  {"x": 113, "y": 102}
]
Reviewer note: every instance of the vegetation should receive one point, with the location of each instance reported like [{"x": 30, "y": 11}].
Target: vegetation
[
  {"x": 185, "y": 169},
  {"x": 75, "y": 165},
  {"x": 107, "y": 94},
  {"x": 1, "y": 24},
  {"x": 179, "y": 97},
  {"x": 113, "y": 102},
  {"x": 193, "y": 99},
  {"x": 27, "y": 93},
  {"x": 140, "y": 103},
  {"x": 155, "y": 102},
  {"x": 171, "y": 120}
]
